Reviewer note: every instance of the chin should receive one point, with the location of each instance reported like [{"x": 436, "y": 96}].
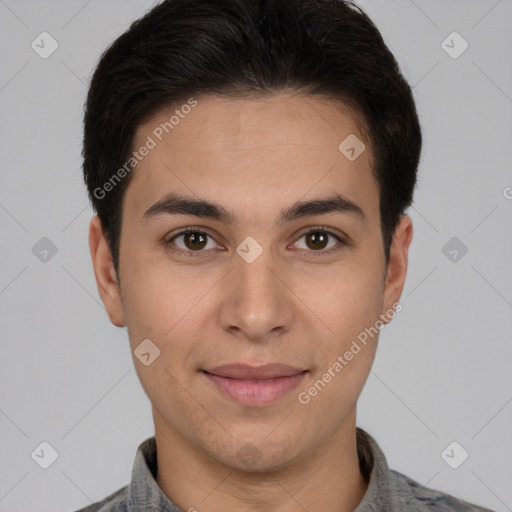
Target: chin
[{"x": 256, "y": 453}]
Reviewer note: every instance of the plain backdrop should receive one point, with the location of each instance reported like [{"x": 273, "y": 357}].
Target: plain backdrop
[{"x": 442, "y": 371}]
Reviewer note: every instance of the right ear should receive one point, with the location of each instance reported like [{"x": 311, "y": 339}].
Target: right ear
[{"x": 104, "y": 271}]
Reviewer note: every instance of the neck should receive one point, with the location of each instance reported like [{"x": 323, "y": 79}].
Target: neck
[{"x": 328, "y": 478}]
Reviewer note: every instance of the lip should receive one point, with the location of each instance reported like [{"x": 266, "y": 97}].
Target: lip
[
  {"x": 253, "y": 386},
  {"x": 242, "y": 371}
]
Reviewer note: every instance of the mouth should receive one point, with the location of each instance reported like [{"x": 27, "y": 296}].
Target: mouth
[{"x": 255, "y": 386}]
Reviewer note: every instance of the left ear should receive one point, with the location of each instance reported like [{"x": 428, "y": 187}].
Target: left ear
[{"x": 397, "y": 266}]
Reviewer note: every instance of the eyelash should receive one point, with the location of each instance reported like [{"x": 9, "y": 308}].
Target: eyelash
[{"x": 196, "y": 254}]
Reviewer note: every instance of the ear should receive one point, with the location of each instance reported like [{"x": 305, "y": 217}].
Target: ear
[
  {"x": 104, "y": 271},
  {"x": 397, "y": 266}
]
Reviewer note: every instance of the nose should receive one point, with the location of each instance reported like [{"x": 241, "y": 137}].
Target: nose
[{"x": 257, "y": 300}]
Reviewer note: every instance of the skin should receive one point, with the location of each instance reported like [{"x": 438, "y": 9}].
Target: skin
[{"x": 292, "y": 305}]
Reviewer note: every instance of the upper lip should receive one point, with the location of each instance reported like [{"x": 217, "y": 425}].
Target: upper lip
[{"x": 245, "y": 371}]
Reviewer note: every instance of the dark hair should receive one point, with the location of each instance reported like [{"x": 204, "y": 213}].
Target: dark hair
[{"x": 184, "y": 48}]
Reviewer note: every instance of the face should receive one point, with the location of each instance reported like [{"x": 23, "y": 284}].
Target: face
[{"x": 285, "y": 265}]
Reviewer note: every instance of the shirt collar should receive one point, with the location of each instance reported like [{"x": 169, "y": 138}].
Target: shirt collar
[
  {"x": 144, "y": 492},
  {"x": 375, "y": 469}
]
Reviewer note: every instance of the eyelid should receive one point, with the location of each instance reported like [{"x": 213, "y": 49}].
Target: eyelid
[
  {"x": 190, "y": 229},
  {"x": 342, "y": 240}
]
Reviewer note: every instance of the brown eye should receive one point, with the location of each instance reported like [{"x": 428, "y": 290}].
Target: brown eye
[
  {"x": 195, "y": 240},
  {"x": 316, "y": 240},
  {"x": 191, "y": 242},
  {"x": 321, "y": 241}
]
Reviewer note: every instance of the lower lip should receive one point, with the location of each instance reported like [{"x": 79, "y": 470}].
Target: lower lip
[{"x": 256, "y": 392}]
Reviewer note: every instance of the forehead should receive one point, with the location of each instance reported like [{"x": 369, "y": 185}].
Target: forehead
[
  {"x": 222, "y": 122},
  {"x": 253, "y": 152}
]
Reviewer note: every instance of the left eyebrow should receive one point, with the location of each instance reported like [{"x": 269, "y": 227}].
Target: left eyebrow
[
  {"x": 332, "y": 204},
  {"x": 175, "y": 204}
]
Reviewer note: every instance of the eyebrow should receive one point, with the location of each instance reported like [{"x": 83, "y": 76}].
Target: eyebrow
[{"x": 175, "y": 204}]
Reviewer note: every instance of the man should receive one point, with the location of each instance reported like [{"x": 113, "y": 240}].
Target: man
[{"x": 250, "y": 163}]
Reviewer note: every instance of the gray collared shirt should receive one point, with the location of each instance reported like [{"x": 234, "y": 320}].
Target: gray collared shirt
[{"x": 388, "y": 490}]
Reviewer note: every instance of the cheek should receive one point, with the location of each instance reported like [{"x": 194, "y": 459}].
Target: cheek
[
  {"x": 347, "y": 298},
  {"x": 351, "y": 310},
  {"x": 158, "y": 308},
  {"x": 169, "y": 307},
  {"x": 153, "y": 302}
]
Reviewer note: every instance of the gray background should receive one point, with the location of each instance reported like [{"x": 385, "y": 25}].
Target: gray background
[{"x": 442, "y": 371}]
